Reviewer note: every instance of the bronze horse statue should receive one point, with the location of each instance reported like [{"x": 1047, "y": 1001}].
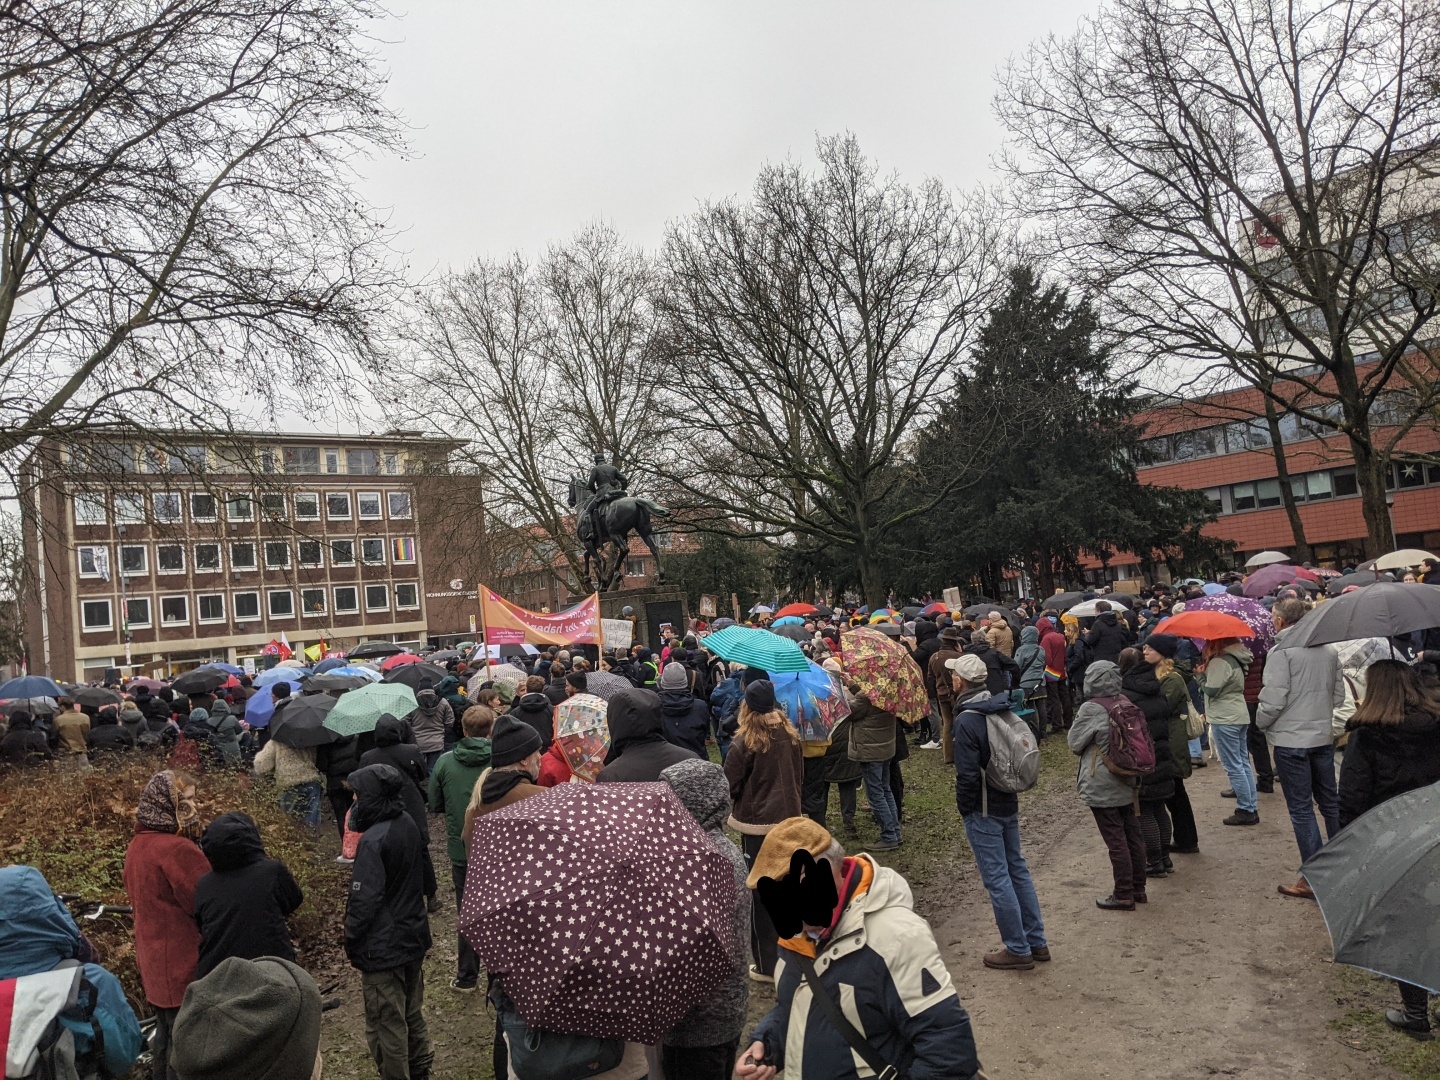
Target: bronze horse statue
[{"x": 618, "y": 518}]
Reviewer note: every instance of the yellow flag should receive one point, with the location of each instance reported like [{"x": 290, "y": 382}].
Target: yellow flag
[{"x": 314, "y": 652}]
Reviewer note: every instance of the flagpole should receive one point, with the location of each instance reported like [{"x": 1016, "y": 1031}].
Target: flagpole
[{"x": 484, "y": 637}]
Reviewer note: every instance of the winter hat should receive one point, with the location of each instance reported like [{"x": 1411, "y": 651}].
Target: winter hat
[
  {"x": 248, "y": 1020},
  {"x": 199, "y": 715},
  {"x": 831, "y": 664},
  {"x": 753, "y": 674},
  {"x": 760, "y": 696},
  {"x": 781, "y": 842},
  {"x": 1167, "y": 645},
  {"x": 512, "y": 741},
  {"x": 674, "y": 677},
  {"x": 969, "y": 667}
]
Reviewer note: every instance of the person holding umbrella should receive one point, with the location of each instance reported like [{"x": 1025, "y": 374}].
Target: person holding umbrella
[
  {"x": 293, "y": 768},
  {"x": 1225, "y": 663}
]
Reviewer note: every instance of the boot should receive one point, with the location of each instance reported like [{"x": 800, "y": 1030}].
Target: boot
[
  {"x": 1243, "y": 817},
  {"x": 1156, "y": 870},
  {"x": 1005, "y": 960},
  {"x": 1412, "y": 1021},
  {"x": 1109, "y": 903}
]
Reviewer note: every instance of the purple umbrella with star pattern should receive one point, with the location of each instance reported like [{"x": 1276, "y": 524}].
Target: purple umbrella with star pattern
[
  {"x": 1251, "y": 612},
  {"x": 602, "y": 907}
]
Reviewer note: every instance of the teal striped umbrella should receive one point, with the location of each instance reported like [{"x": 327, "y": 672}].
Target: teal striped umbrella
[
  {"x": 756, "y": 648},
  {"x": 360, "y": 710}
]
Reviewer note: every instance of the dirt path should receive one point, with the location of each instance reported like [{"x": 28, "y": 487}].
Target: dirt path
[{"x": 1217, "y": 975}]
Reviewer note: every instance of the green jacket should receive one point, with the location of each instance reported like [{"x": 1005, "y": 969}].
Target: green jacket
[
  {"x": 451, "y": 782},
  {"x": 1224, "y": 687},
  {"x": 1178, "y": 695}
]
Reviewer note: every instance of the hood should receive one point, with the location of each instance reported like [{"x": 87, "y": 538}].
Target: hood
[
  {"x": 982, "y": 701},
  {"x": 232, "y": 841},
  {"x": 22, "y": 723},
  {"x": 701, "y": 786},
  {"x": 427, "y": 700},
  {"x": 36, "y": 929},
  {"x": 447, "y": 686},
  {"x": 1030, "y": 635},
  {"x": 377, "y": 795},
  {"x": 1141, "y": 679},
  {"x": 472, "y": 752},
  {"x": 131, "y": 715},
  {"x": 1240, "y": 653},
  {"x": 389, "y": 731},
  {"x": 535, "y": 704},
  {"x": 924, "y": 630},
  {"x": 1102, "y": 679},
  {"x": 105, "y": 718},
  {"x": 887, "y": 889},
  {"x": 675, "y": 702},
  {"x": 1044, "y": 626},
  {"x": 1106, "y": 617},
  {"x": 633, "y": 716}
]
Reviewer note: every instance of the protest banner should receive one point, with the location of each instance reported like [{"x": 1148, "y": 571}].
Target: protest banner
[{"x": 505, "y": 623}]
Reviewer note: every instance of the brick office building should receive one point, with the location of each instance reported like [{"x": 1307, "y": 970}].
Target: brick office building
[{"x": 156, "y": 560}]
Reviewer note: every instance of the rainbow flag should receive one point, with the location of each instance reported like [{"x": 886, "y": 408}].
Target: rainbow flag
[{"x": 402, "y": 549}]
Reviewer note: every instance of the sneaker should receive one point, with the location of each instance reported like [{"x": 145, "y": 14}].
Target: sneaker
[
  {"x": 1109, "y": 903},
  {"x": 757, "y": 976},
  {"x": 462, "y": 988},
  {"x": 885, "y": 845},
  {"x": 1005, "y": 960},
  {"x": 931, "y": 745},
  {"x": 343, "y": 861},
  {"x": 1243, "y": 817}
]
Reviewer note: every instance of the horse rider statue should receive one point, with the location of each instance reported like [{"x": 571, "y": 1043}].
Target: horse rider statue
[{"x": 606, "y": 515}]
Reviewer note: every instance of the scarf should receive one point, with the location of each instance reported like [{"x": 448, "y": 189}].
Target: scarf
[{"x": 163, "y": 809}]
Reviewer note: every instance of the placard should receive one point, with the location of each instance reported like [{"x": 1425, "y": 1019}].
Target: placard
[{"x": 619, "y": 634}]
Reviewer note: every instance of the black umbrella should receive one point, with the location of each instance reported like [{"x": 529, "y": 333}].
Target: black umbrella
[
  {"x": 1385, "y": 609},
  {"x": 1062, "y": 601},
  {"x": 301, "y": 722},
  {"x": 97, "y": 697},
  {"x": 200, "y": 681},
  {"x": 326, "y": 683},
  {"x": 1361, "y": 578},
  {"x": 911, "y": 611},
  {"x": 369, "y": 650},
  {"x": 981, "y": 611},
  {"x": 442, "y": 656},
  {"x": 823, "y": 611},
  {"x": 793, "y": 632},
  {"x": 415, "y": 676}
]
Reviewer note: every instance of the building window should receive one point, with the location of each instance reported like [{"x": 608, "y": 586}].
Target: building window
[
  {"x": 377, "y": 598},
  {"x": 342, "y": 552},
  {"x": 337, "y": 506},
  {"x": 1318, "y": 486},
  {"x": 170, "y": 558},
  {"x": 129, "y": 508},
  {"x": 188, "y": 459},
  {"x": 1410, "y": 473},
  {"x": 407, "y": 595},
  {"x": 399, "y": 503},
  {"x": 392, "y": 464},
  {"x": 277, "y": 554},
  {"x": 309, "y": 553},
  {"x": 362, "y": 462},
  {"x": 347, "y": 599},
  {"x": 246, "y": 606},
  {"x": 402, "y": 549},
  {"x": 1201, "y": 442},
  {"x": 372, "y": 550},
  {"x": 1217, "y": 501},
  {"x": 307, "y": 506},
  {"x": 242, "y": 557},
  {"x": 332, "y": 462},
  {"x": 174, "y": 610},
  {"x": 207, "y": 558},
  {"x": 90, "y": 510},
  {"x": 94, "y": 562},
  {"x": 95, "y": 614},
  {"x": 268, "y": 462},
  {"x": 133, "y": 559},
  {"x": 1345, "y": 482},
  {"x": 239, "y": 508},
  {"x": 1242, "y": 497},
  {"x": 272, "y": 505},
  {"x": 167, "y": 507},
  {"x": 282, "y": 603},
  {"x": 302, "y": 459},
  {"x": 202, "y": 506},
  {"x": 368, "y": 505},
  {"x": 137, "y": 613},
  {"x": 312, "y": 601},
  {"x": 210, "y": 607},
  {"x": 1267, "y": 492}
]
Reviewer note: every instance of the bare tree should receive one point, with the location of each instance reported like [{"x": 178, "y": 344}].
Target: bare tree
[
  {"x": 813, "y": 329},
  {"x": 1250, "y": 185},
  {"x": 178, "y": 230}
]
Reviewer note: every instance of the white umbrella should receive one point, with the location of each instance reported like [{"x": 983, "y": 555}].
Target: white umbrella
[
  {"x": 1403, "y": 559},
  {"x": 1084, "y": 609},
  {"x": 762, "y": 609},
  {"x": 1266, "y": 558}
]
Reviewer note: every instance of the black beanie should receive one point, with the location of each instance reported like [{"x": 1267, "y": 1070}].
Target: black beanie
[
  {"x": 753, "y": 674},
  {"x": 512, "y": 741},
  {"x": 760, "y": 696},
  {"x": 1167, "y": 645}
]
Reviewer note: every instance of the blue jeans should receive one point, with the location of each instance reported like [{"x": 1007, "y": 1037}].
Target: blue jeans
[
  {"x": 303, "y": 802},
  {"x": 1307, "y": 777},
  {"x": 995, "y": 840},
  {"x": 882, "y": 799},
  {"x": 1231, "y": 743}
]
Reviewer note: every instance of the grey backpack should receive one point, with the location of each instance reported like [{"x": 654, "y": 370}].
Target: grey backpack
[{"x": 1014, "y": 756}]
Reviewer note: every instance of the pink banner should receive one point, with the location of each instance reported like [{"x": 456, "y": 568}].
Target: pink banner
[{"x": 509, "y": 624}]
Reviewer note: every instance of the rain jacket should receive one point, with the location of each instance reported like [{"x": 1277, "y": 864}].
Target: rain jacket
[
  {"x": 535, "y": 709},
  {"x": 970, "y": 735},
  {"x": 225, "y": 736},
  {"x": 242, "y": 904},
  {"x": 161, "y": 872},
  {"x": 638, "y": 751},
  {"x": 451, "y": 785},
  {"x": 1140, "y": 685},
  {"x": 927, "y": 644},
  {"x": 404, "y": 758},
  {"x": 1300, "y": 694},
  {"x": 385, "y": 922},
  {"x": 686, "y": 718},
  {"x": 1000, "y": 667},
  {"x": 22, "y": 744},
  {"x": 1224, "y": 686},
  {"x": 430, "y": 721},
  {"x": 1107, "y": 637},
  {"x": 107, "y": 734},
  {"x": 1382, "y": 762},
  {"x": 1053, "y": 644},
  {"x": 1030, "y": 659},
  {"x": 1089, "y": 737},
  {"x": 1002, "y": 638},
  {"x": 872, "y": 731},
  {"x": 882, "y": 967},
  {"x": 133, "y": 720}
]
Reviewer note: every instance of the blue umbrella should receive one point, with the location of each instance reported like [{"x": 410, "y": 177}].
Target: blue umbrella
[
  {"x": 1212, "y": 588},
  {"x": 259, "y": 709},
  {"x": 30, "y": 686},
  {"x": 229, "y": 669},
  {"x": 814, "y": 700},
  {"x": 357, "y": 669},
  {"x": 328, "y": 665},
  {"x": 789, "y": 620},
  {"x": 280, "y": 674}
]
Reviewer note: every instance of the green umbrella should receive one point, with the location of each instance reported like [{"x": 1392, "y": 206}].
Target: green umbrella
[
  {"x": 756, "y": 648},
  {"x": 359, "y": 710}
]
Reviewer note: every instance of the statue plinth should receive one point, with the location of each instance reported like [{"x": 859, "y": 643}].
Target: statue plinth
[{"x": 653, "y": 606}]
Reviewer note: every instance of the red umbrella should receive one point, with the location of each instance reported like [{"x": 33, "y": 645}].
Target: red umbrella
[
  {"x": 937, "y": 608},
  {"x": 398, "y": 660},
  {"x": 603, "y": 908},
  {"x": 1209, "y": 625},
  {"x": 1306, "y": 574},
  {"x": 796, "y": 609}
]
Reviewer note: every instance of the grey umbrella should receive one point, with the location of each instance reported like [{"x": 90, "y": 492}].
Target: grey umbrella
[
  {"x": 606, "y": 684},
  {"x": 1381, "y": 610},
  {"x": 1360, "y": 578},
  {"x": 794, "y": 633},
  {"x": 1375, "y": 883}
]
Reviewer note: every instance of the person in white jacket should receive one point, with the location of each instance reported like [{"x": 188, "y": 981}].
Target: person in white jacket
[{"x": 1298, "y": 698}]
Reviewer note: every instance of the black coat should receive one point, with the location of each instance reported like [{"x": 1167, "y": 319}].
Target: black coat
[
  {"x": 23, "y": 745},
  {"x": 1141, "y": 687},
  {"x": 555, "y": 691},
  {"x": 337, "y": 761},
  {"x": 535, "y": 709},
  {"x": 1382, "y": 762},
  {"x": 638, "y": 751},
  {"x": 686, "y": 719},
  {"x": 385, "y": 922},
  {"x": 108, "y": 736},
  {"x": 1108, "y": 638},
  {"x": 927, "y": 644},
  {"x": 242, "y": 904},
  {"x": 1002, "y": 672},
  {"x": 404, "y": 758}
]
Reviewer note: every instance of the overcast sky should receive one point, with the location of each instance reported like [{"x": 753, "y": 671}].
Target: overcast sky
[{"x": 532, "y": 118}]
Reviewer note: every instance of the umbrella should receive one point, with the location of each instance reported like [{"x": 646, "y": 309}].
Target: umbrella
[
  {"x": 794, "y": 631},
  {"x": 606, "y": 684},
  {"x": 302, "y": 721},
  {"x": 796, "y": 609},
  {"x": 1085, "y": 609},
  {"x": 329, "y": 664},
  {"x": 28, "y": 686},
  {"x": 1266, "y": 558},
  {"x": 721, "y": 624},
  {"x": 509, "y": 649},
  {"x": 200, "y": 681},
  {"x": 416, "y": 676},
  {"x": 321, "y": 684},
  {"x": 982, "y": 611},
  {"x": 147, "y": 682},
  {"x": 1383, "y": 610},
  {"x": 400, "y": 659},
  {"x": 1208, "y": 625},
  {"x": 507, "y": 674},
  {"x": 258, "y": 710},
  {"x": 1403, "y": 559},
  {"x": 889, "y": 629},
  {"x": 97, "y": 697},
  {"x": 762, "y": 609},
  {"x": 293, "y": 663},
  {"x": 583, "y": 734},
  {"x": 1322, "y": 572},
  {"x": 358, "y": 711},
  {"x": 757, "y": 648},
  {"x": 788, "y": 620},
  {"x": 442, "y": 656},
  {"x": 277, "y": 674},
  {"x": 644, "y": 900},
  {"x": 885, "y": 672},
  {"x": 1251, "y": 612},
  {"x": 814, "y": 700},
  {"x": 1361, "y": 578},
  {"x": 360, "y": 670},
  {"x": 937, "y": 608},
  {"x": 1213, "y": 588},
  {"x": 1267, "y": 579},
  {"x": 367, "y": 649},
  {"x": 1125, "y": 600},
  {"x": 1062, "y": 601},
  {"x": 1375, "y": 884},
  {"x": 883, "y": 614},
  {"x": 911, "y": 611}
]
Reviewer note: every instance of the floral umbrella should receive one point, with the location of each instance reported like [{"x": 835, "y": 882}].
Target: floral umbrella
[
  {"x": 583, "y": 734},
  {"x": 885, "y": 672},
  {"x": 814, "y": 700},
  {"x": 1251, "y": 612},
  {"x": 496, "y": 673}
]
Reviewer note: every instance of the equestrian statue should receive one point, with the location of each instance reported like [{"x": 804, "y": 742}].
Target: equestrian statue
[{"x": 605, "y": 516}]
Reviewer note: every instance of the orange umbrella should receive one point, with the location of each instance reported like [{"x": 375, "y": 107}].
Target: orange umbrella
[{"x": 1209, "y": 625}]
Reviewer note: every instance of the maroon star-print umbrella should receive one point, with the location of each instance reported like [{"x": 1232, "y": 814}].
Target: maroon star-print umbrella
[{"x": 602, "y": 907}]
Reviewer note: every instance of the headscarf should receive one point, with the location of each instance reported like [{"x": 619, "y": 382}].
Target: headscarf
[{"x": 163, "y": 808}]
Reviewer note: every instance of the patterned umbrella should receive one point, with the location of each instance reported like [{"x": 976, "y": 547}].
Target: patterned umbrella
[
  {"x": 1251, "y": 612},
  {"x": 606, "y": 684},
  {"x": 814, "y": 700},
  {"x": 497, "y": 673},
  {"x": 885, "y": 672},
  {"x": 358, "y": 711},
  {"x": 583, "y": 734},
  {"x": 756, "y": 648},
  {"x": 619, "y": 928}
]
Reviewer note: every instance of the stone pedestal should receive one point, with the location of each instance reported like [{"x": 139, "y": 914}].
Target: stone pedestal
[{"x": 653, "y": 607}]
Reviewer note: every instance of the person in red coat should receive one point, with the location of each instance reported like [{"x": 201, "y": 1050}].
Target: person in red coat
[{"x": 162, "y": 866}]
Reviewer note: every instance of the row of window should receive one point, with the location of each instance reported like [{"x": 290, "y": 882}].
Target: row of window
[
  {"x": 168, "y": 507},
  {"x": 194, "y": 459},
  {"x": 1315, "y": 487},
  {"x": 208, "y": 609},
  {"x": 244, "y": 555}
]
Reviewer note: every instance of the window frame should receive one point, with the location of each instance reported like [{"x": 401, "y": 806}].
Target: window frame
[
  {"x": 248, "y": 500},
  {"x": 254, "y": 566},
  {"x": 200, "y": 617},
  {"x": 144, "y": 550},
  {"x": 380, "y": 560},
  {"x": 384, "y": 589},
  {"x": 334, "y": 559},
  {"x": 395, "y": 558},
  {"x": 320, "y": 549},
  {"x": 282, "y": 514},
  {"x": 290, "y": 455},
  {"x": 335, "y": 599},
  {"x": 214, "y": 514},
  {"x": 179, "y": 498},
  {"x": 235, "y": 606},
  {"x": 184, "y": 598},
  {"x": 285, "y": 544},
  {"x": 87, "y": 628},
  {"x": 93, "y": 501},
  {"x": 378, "y": 515},
  {"x": 307, "y": 495},
  {"x": 413, "y": 586},
  {"x": 130, "y": 498},
  {"x": 270, "y": 595},
  {"x": 324, "y": 609},
  {"x": 177, "y": 545},
  {"x": 80, "y": 571},
  {"x": 219, "y": 558},
  {"x": 147, "y": 623},
  {"x": 390, "y": 506},
  {"x": 330, "y": 514}
]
